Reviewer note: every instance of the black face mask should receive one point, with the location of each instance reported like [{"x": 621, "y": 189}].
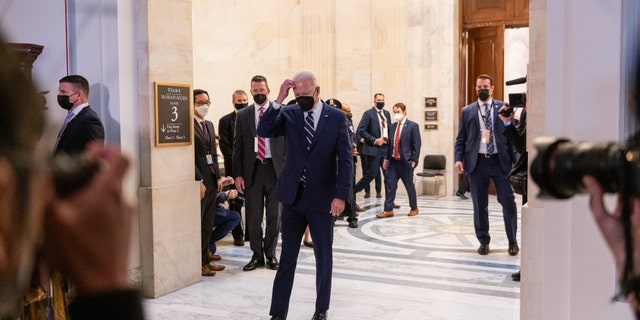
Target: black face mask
[
  {"x": 379, "y": 105},
  {"x": 64, "y": 103},
  {"x": 306, "y": 102},
  {"x": 240, "y": 106},
  {"x": 483, "y": 94},
  {"x": 260, "y": 98}
]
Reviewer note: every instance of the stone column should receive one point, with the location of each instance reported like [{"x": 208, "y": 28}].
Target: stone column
[{"x": 168, "y": 195}]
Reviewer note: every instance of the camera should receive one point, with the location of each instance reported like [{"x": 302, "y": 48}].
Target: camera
[{"x": 560, "y": 165}]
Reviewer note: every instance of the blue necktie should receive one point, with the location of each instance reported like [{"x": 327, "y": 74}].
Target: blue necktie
[
  {"x": 67, "y": 119},
  {"x": 488, "y": 122},
  {"x": 308, "y": 129}
]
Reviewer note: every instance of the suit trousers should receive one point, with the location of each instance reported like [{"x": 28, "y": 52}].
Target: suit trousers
[
  {"x": 365, "y": 167},
  {"x": 207, "y": 216},
  {"x": 295, "y": 219},
  {"x": 489, "y": 168},
  {"x": 399, "y": 170},
  {"x": 259, "y": 202},
  {"x": 372, "y": 169}
]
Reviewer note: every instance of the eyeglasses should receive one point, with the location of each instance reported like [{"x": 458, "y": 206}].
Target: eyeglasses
[{"x": 201, "y": 103}]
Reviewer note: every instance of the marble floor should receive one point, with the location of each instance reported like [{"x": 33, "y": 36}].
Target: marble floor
[{"x": 422, "y": 267}]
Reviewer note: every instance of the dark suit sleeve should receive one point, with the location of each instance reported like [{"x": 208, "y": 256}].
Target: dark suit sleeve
[
  {"x": 416, "y": 143},
  {"x": 461, "y": 139},
  {"x": 226, "y": 135},
  {"x": 123, "y": 305},
  {"x": 345, "y": 162},
  {"x": 363, "y": 127},
  {"x": 238, "y": 138},
  {"x": 272, "y": 123},
  {"x": 517, "y": 133}
]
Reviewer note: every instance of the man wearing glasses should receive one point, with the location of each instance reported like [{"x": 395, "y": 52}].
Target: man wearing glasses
[{"x": 483, "y": 152}]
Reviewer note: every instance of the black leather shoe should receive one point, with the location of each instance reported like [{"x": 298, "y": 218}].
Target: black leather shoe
[
  {"x": 277, "y": 318},
  {"x": 320, "y": 315},
  {"x": 483, "y": 250},
  {"x": 367, "y": 195},
  {"x": 238, "y": 242},
  {"x": 461, "y": 195},
  {"x": 253, "y": 264},
  {"x": 515, "y": 276},
  {"x": 353, "y": 224},
  {"x": 272, "y": 263},
  {"x": 307, "y": 243},
  {"x": 513, "y": 248},
  {"x": 378, "y": 195}
]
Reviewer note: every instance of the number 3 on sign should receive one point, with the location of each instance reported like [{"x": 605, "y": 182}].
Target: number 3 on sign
[{"x": 174, "y": 113}]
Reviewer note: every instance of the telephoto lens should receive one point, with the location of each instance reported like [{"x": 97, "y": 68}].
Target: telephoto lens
[{"x": 560, "y": 165}]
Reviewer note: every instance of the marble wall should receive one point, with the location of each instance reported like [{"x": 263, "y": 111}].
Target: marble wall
[{"x": 405, "y": 49}]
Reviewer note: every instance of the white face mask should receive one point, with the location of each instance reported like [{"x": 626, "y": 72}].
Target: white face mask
[
  {"x": 202, "y": 110},
  {"x": 398, "y": 116}
]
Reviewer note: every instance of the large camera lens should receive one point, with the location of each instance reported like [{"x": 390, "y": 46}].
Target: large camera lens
[{"x": 560, "y": 165}]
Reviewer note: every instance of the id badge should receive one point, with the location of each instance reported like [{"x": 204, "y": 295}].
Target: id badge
[
  {"x": 486, "y": 134},
  {"x": 209, "y": 159}
]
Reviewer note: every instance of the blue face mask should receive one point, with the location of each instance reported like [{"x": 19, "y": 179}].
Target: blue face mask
[{"x": 379, "y": 105}]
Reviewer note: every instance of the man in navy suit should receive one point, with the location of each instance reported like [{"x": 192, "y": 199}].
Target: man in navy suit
[
  {"x": 483, "y": 152},
  {"x": 82, "y": 125},
  {"x": 374, "y": 131},
  {"x": 313, "y": 184},
  {"x": 400, "y": 160}
]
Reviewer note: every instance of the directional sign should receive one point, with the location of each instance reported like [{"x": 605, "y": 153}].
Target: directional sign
[{"x": 174, "y": 114}]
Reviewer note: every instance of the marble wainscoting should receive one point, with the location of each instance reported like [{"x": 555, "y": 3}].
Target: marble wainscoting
[{"x": 422, "y": 267}]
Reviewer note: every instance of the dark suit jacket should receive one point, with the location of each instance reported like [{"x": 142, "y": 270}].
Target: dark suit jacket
[
  {"x": 200, "y": 148},
  {"x": 328, "y": 165},
  {"x": 244, "y": 153},
  {"x": 226, "y": 130},
  {"x": 468, "y": 140},
  {"x": 369, "y": 129},
  {"x": 410, "y": 142},
  {"x": 82, "y": 129}
]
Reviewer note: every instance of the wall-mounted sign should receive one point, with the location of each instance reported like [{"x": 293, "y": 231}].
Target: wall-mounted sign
[
  {"x": 174, "y": 114},
  {"x": 431, "y": 115},
  {"x": 431, "y": 126},
  {"x": 430, "y": 102}
]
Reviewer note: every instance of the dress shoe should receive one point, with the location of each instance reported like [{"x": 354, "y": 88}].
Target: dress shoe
[
  {"x": 385, "y": 214},
  {"x": 461, "y": 195},
  {"x": 277, "y": 318},
  {"x": 253, "y": 264},
  {"x": 272, "y": 263},
  {"x": 320, "y": 315},
  {"x": 513, "y": 248},
  {"x": 359, "y": 209},
  {"x": 378, "y": 195},
  {"x": 215, "y": 267},
  {"x": 413, "y": 213},
  {"x": 353, "y": 224},
  {"x": 396, "y": 206},
  {"x": 214, "y": 257},
  {"x": 516, "y": 276},
  {"x": 483, "y": 250},
  {"x": 238, "y": 242},
  {"x": 367, "y": 195},
  {"x": 307, "y": 243},
  {"x": 206, "y": 272}
]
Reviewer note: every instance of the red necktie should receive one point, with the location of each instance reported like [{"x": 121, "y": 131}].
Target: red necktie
[
  {"x": 261, "y": 141},
  {"x": 396, "y": 153}
]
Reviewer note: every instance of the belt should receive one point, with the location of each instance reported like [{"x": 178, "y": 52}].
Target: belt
[
  {"x": 487, "y": 155},
  {"x": 265, "y": 161}
]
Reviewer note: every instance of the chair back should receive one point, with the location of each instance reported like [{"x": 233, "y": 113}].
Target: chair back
[{"x": 434, "y": 163}]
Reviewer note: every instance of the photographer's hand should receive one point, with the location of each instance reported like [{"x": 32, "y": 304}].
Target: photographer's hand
[
  {"x": 611, "y": 226},
  {"x": 87, "y": 234},
  {"x": 504, "y": 119}
]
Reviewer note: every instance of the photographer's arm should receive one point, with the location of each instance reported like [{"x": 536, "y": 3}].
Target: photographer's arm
[{"x": 612, "y": 229}]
